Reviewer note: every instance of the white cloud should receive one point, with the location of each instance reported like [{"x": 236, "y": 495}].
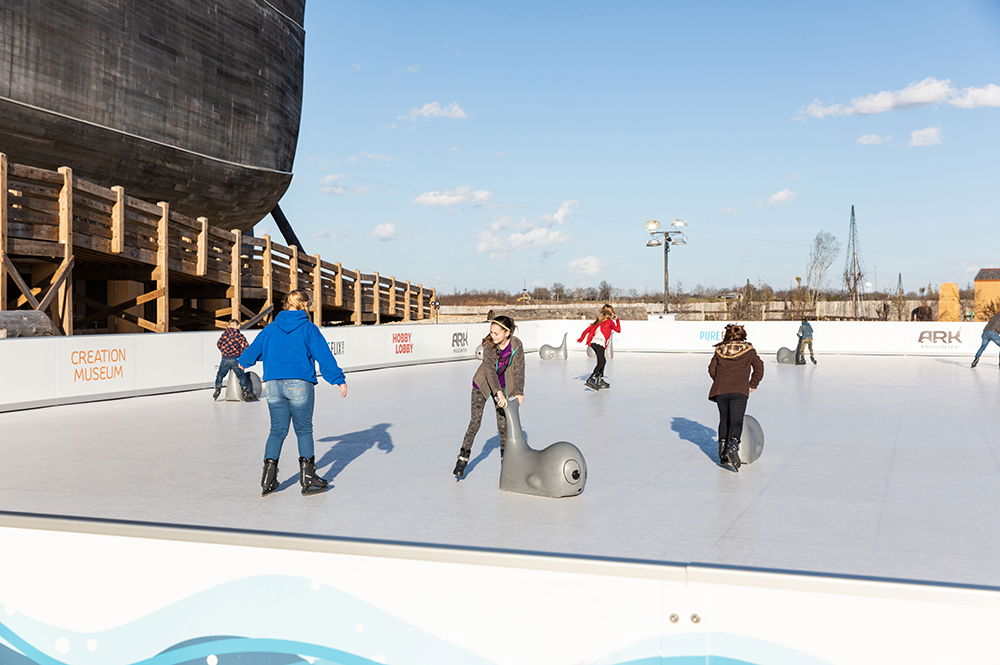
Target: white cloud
[
  {"x": 331, "y": 184},
  {"x": 970, "y": 98},
  {"x": 463, "y": 194},
  {"x": 924, "y": 137},
  {"x": 587, "y": 265},
  {"x": 919, "y": 93},
  {"x": 435, "y": 110},
  {"x": 454, "y": 148},
  {"x": 356, "y": 67},
  {"x": 361, "y": 190},
  {"x": 540, "y": 236},
  {"x": 385, "y": 231},
  {"x": 874, "y": 139},
  {"x": 412, "y": 69},
  {"x": 781, "y": 197},
  {"x": 729, "y": 211},
  {"x": 376, "y": 157},
  {"x": 560, "y": 215}
]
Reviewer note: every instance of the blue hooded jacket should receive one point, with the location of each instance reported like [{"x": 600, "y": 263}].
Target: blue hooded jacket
[{"x": 290, "y": 348}]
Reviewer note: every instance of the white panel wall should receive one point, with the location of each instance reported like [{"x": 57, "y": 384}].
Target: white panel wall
[{"x": 61, "y": 370}]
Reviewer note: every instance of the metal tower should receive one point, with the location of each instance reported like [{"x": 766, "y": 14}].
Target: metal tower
[{"x": 853, "y": 273}]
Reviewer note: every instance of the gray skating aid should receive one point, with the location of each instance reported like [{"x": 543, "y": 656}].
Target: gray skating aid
[
  {"x": 548, "y": 352},
  {"x": 786, "y": 356},
  {"x": 555, "y": 471},
  {"x": 752, "y": 441}
]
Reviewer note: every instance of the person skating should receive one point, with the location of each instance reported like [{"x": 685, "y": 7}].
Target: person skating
[
  {"x": 598, "y": 336},
  {"x": 290, "y": 348},
  {"x": 991, "y": 333},
  {"x": 501, "y": 373},
  {"x": 805, "y": 335},
  {"x": 231, "y": 344},
  {"x": 736, "y": 371}
]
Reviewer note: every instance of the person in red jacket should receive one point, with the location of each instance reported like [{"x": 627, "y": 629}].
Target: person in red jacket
[
  {"x": 597, "y": 336},
  {"x": 736, "y": 371}
]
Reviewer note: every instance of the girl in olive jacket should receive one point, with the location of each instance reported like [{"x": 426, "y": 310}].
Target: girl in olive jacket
[
  {"x": 736, "y": 371},
  {"x": 501, "y": 374}
]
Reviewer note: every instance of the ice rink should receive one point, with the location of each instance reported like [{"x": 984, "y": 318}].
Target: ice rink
[{"x": 874, "y": 466}]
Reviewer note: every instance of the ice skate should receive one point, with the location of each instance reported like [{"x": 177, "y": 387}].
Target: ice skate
[
  {"x": 311, "y": 482},
  {"x": 269, "y": 481},
  {"x": 217, "y": 391},
  {"x": 975, "y": 361},
  {"x": 592, "y": 382},
  {"x": 460, "y": 464},
  {"x": 813, "y": 359},
  {"x": 733, "y": 453},
  {"x": 723, "y": 456},
  {"x": 601, "y": 383}
]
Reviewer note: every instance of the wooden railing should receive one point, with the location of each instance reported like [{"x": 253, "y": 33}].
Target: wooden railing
[{"x": 57, "y": 231}]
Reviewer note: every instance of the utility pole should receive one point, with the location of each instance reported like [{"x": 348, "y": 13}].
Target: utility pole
[{"x": 853, "y": 274}]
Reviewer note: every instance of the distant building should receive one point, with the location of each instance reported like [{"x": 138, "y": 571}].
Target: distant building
[{"x": 987, "y": 288}]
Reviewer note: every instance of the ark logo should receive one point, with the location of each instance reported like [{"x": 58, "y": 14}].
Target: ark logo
[
  {"x": 336, "y": 348},
  {"x": 940, "y": 337},
  {"x": 459, "y": 342}
]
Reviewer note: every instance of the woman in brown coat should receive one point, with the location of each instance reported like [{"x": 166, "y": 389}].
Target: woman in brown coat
[{"x": 736, "y": 371}]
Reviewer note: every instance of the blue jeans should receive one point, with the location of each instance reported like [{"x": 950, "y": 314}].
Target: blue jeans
[
  {"x": 227, "y": 364},
  {"x": 290, "y": 400},
  {"x": 988, "y": 336}
]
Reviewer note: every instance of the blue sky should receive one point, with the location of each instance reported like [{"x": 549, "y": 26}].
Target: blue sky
[{"x": 491, "y": 145}]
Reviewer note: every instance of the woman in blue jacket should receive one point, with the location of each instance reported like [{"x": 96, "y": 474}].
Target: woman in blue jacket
[{"x": 290, "y": 348}]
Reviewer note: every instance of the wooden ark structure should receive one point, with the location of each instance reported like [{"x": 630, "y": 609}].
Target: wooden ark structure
[
  {"x": 191, "y": 110},
  {"x": 99, "y": 260}
]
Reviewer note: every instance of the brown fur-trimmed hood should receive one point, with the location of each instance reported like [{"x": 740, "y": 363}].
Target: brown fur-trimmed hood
[{"x": 732, "y": 349}]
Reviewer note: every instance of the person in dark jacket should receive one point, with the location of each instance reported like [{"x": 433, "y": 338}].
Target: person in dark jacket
[
  {"x": 991, "y": 333},
  {"x": 736, "y": 371},
  {"x": 290, "y": 348},
  {"x": 500, "y": 374},
  {"x": 231, "y": 344},
  {"x": 805, "y": 335}
]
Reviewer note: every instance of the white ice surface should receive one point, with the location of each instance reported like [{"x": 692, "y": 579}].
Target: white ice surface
[{"x": 873, "y": 466}]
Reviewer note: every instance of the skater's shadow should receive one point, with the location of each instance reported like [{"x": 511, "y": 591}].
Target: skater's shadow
[
  {"x": 348, "y": 447},
  {"x": 698, "y": 434},
  {"x": 488, "y": 448}
]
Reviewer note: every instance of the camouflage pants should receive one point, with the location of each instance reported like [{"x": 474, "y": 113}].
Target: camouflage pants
[
  {"x": 800, "y": 352},
  {"x": 478, "y": 405}
]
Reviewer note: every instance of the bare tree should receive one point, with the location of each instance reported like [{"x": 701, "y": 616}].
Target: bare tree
[{"x": 824, "y": 250}]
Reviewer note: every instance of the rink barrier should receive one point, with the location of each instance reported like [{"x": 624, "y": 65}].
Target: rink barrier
[
  {"x": 46, "y": 371},
  {"x": 131, "y": 590}
]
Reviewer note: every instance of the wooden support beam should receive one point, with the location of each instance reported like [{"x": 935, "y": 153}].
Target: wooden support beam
[
  {"x": 120, "y": 307},
  {"x": 236, "y": 275},
  {"x": 268, "y": 275},
  {"x": 376, "y": 299},
  {"x": 358, "y": 302},
  {"x": 225, "y": 311},
  {"x": 338, "y": 287},
  {"x": 64, "y": 271},
  {"x": 19, "y": 282},
  {"x": 64, "y": 303},
  {"x": 162, "y": 271},
  {"x": 118, "y": 221},
  {"x": 265, "y": 310},
  {"x": 392, "y": 296},
  {"x": 420, "y": 301},
  {"x": 293, "y": 269},
  {"x": 317, "y": 293},
  {"x": 201, "y": 269},
  {"x": 406, "y": 302},
  {"x": 3, "y": 231}
]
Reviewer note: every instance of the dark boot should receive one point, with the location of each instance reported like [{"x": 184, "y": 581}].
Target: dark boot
[
  {"x": 723, "y": 456},
  {"x": 215, "y": 395},
  {"x": 813, "y": 358},
  {"x": 601, "y": 382},
  {"x": 269, "y": 481},
  {"x": 975, "y": 361},
  {"x": 733, "y": 453},
  {"x": 248, "y": 396},
  {"x": 311, "y": 482},
  {"x": 463, "y": 461},
  {"x": 592, "y": 382}
]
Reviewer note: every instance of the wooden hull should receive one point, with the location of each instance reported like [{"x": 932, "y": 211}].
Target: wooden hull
[{"x": 196, "y": 103}]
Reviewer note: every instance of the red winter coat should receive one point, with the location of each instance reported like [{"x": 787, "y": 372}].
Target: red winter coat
[{"x": 607, "y": 327}]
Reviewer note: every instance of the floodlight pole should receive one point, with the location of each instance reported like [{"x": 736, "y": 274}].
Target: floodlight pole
[{"x": 666, "y": 273}]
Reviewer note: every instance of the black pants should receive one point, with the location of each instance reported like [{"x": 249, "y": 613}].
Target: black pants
[
  {"x": 601, "y": 362},
  {"x": 732, "y": 407}
]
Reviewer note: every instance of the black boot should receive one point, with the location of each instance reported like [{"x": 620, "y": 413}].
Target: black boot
[
  {"x": 248, "y": 396},
  {"x": 601, "y": 382},
  {"x": 463, "y": 461},
  {"x": 975, "y": 361},
  {"x": 311, "y": 482},
  {"x": 215, "y": 395},
  {"x": 592, "y": 382},
  {"x": 733, "y": 453},
  {"x": 813, "y": 358},
  {"x": 723, "y": 456},
  {"x": 269, "y": 481}
]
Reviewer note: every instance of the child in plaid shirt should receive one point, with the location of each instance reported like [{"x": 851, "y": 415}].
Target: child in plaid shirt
[{"x": 231, "y": 345}]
